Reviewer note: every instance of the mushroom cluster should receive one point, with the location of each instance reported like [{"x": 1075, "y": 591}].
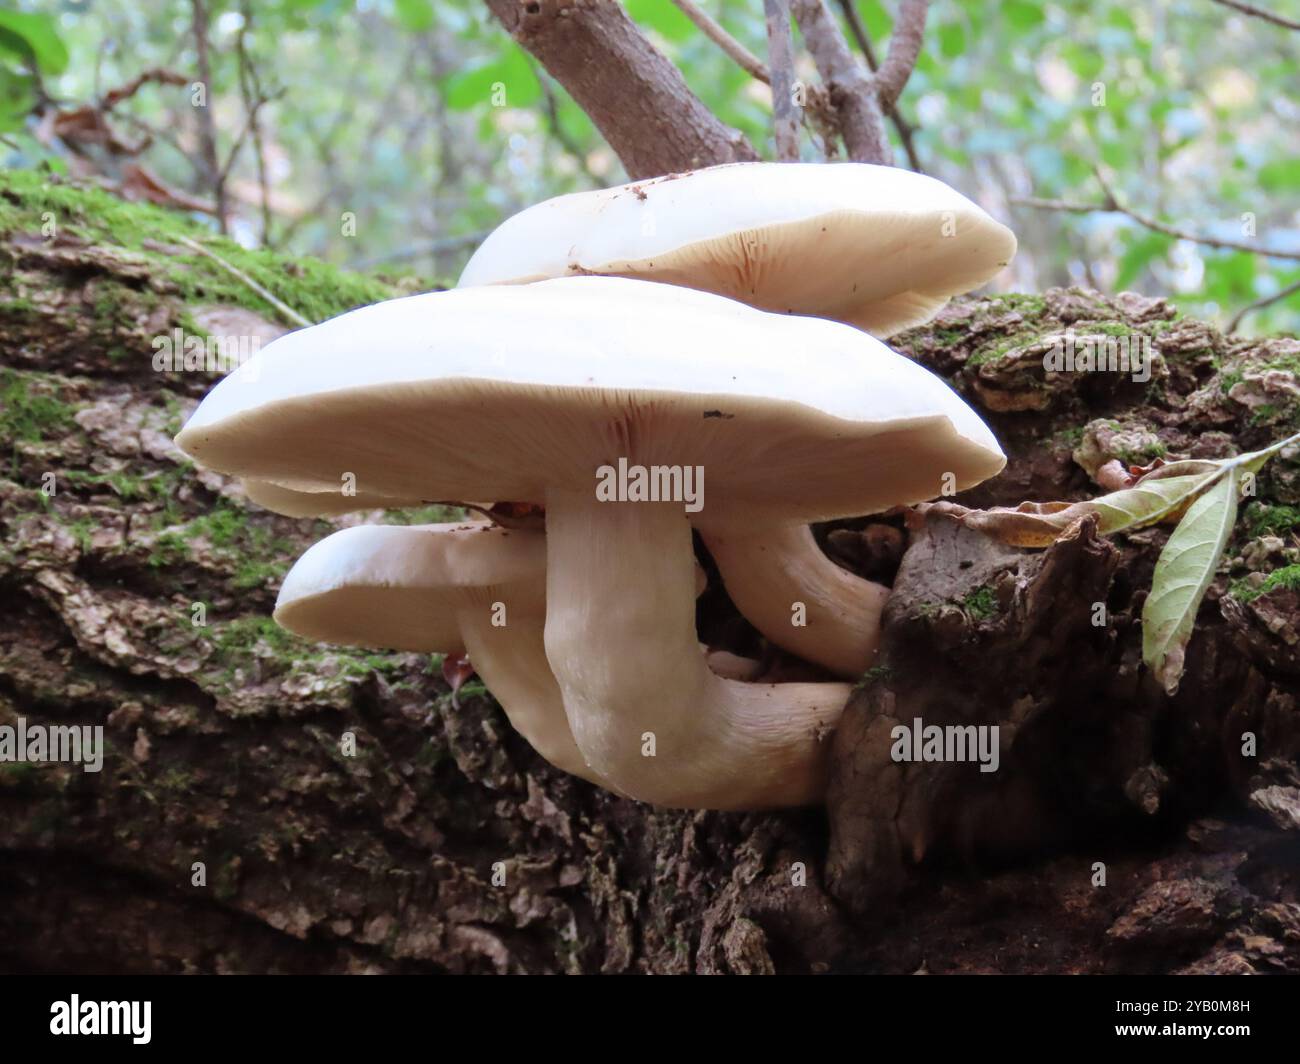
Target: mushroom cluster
[{"x": 680, "y": 328}]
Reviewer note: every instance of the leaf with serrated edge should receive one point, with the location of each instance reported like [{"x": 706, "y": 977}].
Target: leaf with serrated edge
[{"x": 1183, "y": 573}]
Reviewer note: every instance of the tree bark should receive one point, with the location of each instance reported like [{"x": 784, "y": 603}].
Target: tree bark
[
  {"x": 637, "y": 99},
  {"x": 445, "y": 844}
]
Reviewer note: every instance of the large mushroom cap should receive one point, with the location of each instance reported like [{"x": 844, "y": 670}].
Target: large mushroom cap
[
  {"x": 506, "y": 392},
  {"x": 400, "y": 587},
  {"x": 875, "y": 246}
]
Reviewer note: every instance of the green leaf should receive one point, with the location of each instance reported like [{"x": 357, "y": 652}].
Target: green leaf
[
  {"x": 876, "y": 19},
  {"x": 474, "y": 87},
  {"x": 1142, "y": 249},
  {"x": 415, "y": 15},
  {"x": 1183, "y": 573},
  {"x": 666, "y": 19},
  {"x": 1022, "y": 14},
  {"x": 952, "y": 40},
  {"x": 33, "y": 38}
]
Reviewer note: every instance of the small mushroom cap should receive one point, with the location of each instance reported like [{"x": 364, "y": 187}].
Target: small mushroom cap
[
  {"x": 875, "y": 246},
  {"x": 400, "y": 587},
  {"x": 317, "y": 502},
  {"x": 508, "y": 392}
]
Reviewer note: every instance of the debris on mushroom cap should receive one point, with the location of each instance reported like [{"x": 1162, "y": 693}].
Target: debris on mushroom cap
[
  {"x": 417, "y": 397},
  {"x": 875, "y": 246}
]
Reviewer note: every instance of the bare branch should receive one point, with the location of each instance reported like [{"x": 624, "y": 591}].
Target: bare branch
[
  {"x": 1181, "y": 234},
  {"x": 852, "y": 89},
  {"x": 207, "y": 123},
  {"x": 744, "y": 58},
  {"x": 250, "y": 88},
  {"x": 1259, "y": 12},
  {"x": 1111, "y": 204},
  {"x": 780, "y": 54},
  {"x": 904, "y": 48},
  {"x": 637, "y": 99},
  {"x": 289, "y": 314},
  {"x": 551, "y": 108},
  {"x": 906, "y": 130},
  {"x": 1259, "y": 304}
]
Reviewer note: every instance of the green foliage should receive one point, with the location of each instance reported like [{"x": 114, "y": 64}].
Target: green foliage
[
  {"x": 30, "y": 47},
  {"x": 389, "y": 114},
  {"x": 315, "y": 289}
]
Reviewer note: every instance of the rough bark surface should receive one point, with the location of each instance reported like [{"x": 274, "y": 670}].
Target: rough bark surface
[
  {"x": 637, "y": 99},
  {"x": 446, "y": 845}
]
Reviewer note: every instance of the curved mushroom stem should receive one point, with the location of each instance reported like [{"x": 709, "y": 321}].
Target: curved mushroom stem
[
  {"x": 511, "y": 662},
  {"x": 776, "y": 569},
  {"x": 645, "y": 710}
]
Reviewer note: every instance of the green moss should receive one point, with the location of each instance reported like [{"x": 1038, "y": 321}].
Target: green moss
[
  {"x": 434, "y": 514},
  {"x": 315, "y": 289},
  {"x": 1021, "y": 302},
  {"x": 999, "y": 349},
  {"x": 874, "y": 675},
  {"x": 1263, "y": 520},
  {"x": 981, "y": 603},
  {"x": 26, "y": 415},
  {"x": 1148, "y": 452},
  {"x": 1287, "y": 579},
  {"x": 1108, "y": 328},
  {"x": 1229, "y": 380},
  {"x": 244, "y": 634}
]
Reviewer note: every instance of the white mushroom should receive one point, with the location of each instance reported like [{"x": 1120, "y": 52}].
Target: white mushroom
[
  {"x": 473, "y": 589},
  {"x": 444, "y": 406},
  {"x": 875, "y": 246}
]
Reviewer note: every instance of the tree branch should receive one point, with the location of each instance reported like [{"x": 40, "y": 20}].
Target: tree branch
[
  {"x": 780, "y": 54},
  {"x": 906, "y": 130},
  {"x": 852, "y": 89},
  {"x": 1112, "y": 204},
  {"x": 744, "y": 58},
  {"x": 207, "y": 123},
  {"x": 1259, "y": 12},
  {"x": 637, "y": 99},
  {"x": 904, "y": 48},
  {"x": 1260, "y": 304}
]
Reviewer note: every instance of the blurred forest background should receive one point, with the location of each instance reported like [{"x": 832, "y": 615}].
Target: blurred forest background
[{"x": 390, "y": 135}]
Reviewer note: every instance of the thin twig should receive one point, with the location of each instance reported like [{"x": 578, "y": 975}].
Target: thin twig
[
  {"x": 207, "y": 123},
  {"x": 743, "y": 57},
  {"x": 440, "y": 246},
  {"x": 287, "y": 311},
  {"x": 250, "y": 88},
  {"x": 1259, "y": 304},
  {"x": 780, "y": 57},
  {"x": 1259, "y": 12},
  {"x": 1111, "y": 204},
  {"x": 904, "y": 50},
  {"x": 852, "y": 89},
  {"x": 551, "y": 108},
  {"x": 902, "y": 126}
]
